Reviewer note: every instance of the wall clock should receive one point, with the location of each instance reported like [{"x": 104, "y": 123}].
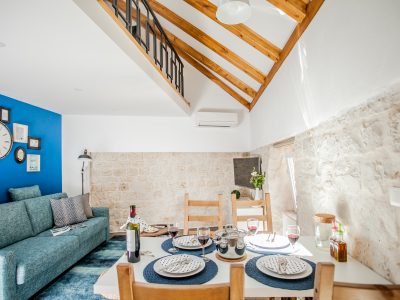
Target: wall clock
[
  {"x": 19, "y": 155},
  {"x": 5, "y": 140}
]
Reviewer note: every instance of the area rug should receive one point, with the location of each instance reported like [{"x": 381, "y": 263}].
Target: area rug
[{"x": 77, "y": 283}]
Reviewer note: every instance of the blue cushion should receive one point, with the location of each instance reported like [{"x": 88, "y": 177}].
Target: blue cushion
[
  {"x": 40, "y": 213},
  {"x": 37, "y": 254},
  {"x": 14, "y": 223},
  {"x": 19, "y": 194}
]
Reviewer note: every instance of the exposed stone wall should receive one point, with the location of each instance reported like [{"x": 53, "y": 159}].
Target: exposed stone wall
[
  {"x": 346, "y": 167},
  {"x": 157, "y": 182}
]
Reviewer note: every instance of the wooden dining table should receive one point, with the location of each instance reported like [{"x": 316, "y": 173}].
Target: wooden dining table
[{"x": 351, "y": 271}]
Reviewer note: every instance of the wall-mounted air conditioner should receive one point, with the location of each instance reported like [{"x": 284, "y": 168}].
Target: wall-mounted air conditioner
[{"x": 216, "y": 119}]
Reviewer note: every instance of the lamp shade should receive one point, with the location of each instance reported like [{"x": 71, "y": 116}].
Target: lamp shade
[
  {"x": 232, "y": 12},
  {"x": 85, "y": 156}
]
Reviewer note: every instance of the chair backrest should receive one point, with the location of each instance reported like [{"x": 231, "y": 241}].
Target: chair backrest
[
  {"x": 210, "y": 219},
  {"x": 265, "y": 203},
  {"x": 326, "y": 289},
  {"x": 131, "y": 290}
]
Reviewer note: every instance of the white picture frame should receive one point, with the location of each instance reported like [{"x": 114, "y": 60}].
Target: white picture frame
[
  {"x": 20, "y": 133},
  {"x": 33, "y": 163}
]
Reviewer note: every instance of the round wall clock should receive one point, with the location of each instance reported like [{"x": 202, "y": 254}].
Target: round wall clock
[
  {"x": 5, "y": 140},
  {"x": 19, "y": 155}
]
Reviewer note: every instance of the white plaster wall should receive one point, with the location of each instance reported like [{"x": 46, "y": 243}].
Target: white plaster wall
[{"x": 349, "y": 52}]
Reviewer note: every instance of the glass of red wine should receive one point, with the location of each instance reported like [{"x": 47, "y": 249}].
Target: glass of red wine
[
  {"x": 203, "y": 235},
  {"x": 173, "y": 232},
  {"x": 252, "y": 226},
  {"x": 293, "y": 234}
]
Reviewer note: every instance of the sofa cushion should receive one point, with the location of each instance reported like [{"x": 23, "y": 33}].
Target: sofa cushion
[
  {"x": 91, "y": 227},
  {"x": 40, "y": 213},
  {"x": 14, "y": 223},
  {"x": 18, "y": 194},
  {"x": 67, "y": 211},
  {"x": 86, "y": 206},
  {"x": 37, "y": 254}
]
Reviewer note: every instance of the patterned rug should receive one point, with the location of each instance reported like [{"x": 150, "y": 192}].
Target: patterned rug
[{"x": 77, "y": 283}]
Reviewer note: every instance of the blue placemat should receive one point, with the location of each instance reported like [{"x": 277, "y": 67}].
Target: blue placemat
[
  {"x": 204, "y": 276},
  {"x": 168, "y": 244},
  {"x": 296, "y": 284}
]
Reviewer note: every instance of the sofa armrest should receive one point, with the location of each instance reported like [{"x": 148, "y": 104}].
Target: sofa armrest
[
  {"x": 103, "y": 212},
  {"x": 8, "y": 270}
]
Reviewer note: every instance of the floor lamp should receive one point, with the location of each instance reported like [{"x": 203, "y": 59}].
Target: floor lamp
[{"x": 85, "y": 157}]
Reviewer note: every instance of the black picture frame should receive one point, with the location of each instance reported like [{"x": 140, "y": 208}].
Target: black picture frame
[
  {"x": 5, "y": 114},
  {"x": 18, "y": 149},
  {"x": 32, "y": 139}
]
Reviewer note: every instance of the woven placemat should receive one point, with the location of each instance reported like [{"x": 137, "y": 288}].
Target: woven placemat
[
  {"x": 204, "y": 276},
  {"x": 295, "y": 284},
  {"x": 167, "y": 244}
]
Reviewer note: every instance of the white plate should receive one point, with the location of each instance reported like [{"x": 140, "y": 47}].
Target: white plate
[
  {"x": 294, "y": 265},
  {"x": 263, "y": 269},
  {"x": 260, "y": 241},
  {"x": 183, "y": 242},
  {"x": 159, "y": 268}
]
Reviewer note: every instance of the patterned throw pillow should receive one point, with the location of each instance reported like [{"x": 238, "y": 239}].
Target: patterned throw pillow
[
  {"x": 67, "y": 211},
  {"x": 86, "y": 206}
]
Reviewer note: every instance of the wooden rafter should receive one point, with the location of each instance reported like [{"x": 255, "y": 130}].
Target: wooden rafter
[
  {"x": 196, "y": 59},
  {"x": 240, "y": 30},
  {"x": 312, "y": 9},
  {"x": 208, "y": 41},
  {"x": 293, "y": 8}
]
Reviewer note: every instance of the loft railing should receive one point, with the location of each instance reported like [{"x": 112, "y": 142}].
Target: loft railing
[{"x": 162, "y": 50}]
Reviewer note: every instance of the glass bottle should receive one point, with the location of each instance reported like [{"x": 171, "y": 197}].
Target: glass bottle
[
  {"x": 332, "y": 239},
  {"x": 341, "y": 246},
  {"x": 133, "y": 237}
]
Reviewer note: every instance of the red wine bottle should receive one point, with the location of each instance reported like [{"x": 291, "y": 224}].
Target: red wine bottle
[{"x": 133, "y": 238}]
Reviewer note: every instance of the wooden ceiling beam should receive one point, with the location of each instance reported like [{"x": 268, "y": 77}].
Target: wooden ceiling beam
[
  {"x": 295, "y": 9},
  {"x": 312, "y": 10},
  {"x": 208, "y": 41},
  {"x": 242, "y": 31}
]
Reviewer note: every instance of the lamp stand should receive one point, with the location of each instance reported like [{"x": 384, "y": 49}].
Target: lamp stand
[{"x": 82, "y": 174}]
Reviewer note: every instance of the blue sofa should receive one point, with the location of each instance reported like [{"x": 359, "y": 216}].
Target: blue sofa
[{"x": 30, "y": 257}]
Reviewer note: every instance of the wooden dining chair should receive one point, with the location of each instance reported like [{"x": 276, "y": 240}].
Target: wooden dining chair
[
  {"x": 209, "y": 218},
  {"x": 129, "y": 289},
  {"x": 266, "y": 217},
  {"x": 326, "y": 289}
]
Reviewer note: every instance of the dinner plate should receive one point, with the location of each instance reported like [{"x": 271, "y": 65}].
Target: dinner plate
[
  {"x": 189, "y": 242},
  {"x": 159, "y": 267},
  {"x": 261, "y": 267},
  {"x": 261, "y": 241}
]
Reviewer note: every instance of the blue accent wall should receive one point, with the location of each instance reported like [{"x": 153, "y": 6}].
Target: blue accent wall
[{"x": 45, "y": 125}]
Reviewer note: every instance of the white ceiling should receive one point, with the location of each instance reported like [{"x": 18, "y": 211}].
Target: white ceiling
[{"x": 59, "y": 59}]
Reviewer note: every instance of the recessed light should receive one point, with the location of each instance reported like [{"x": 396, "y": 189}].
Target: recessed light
[{"x": 2, "y": 44}]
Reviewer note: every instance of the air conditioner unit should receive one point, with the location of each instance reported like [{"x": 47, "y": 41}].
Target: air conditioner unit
[{"x": 216, "y": 119}]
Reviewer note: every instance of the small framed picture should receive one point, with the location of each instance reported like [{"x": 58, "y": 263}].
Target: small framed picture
[
  {"x": 33, "y": 163},
  {"x": 4, "y": 114},
  {"x": 20, "y": 133},
  {"x": 34, "y": 143}
]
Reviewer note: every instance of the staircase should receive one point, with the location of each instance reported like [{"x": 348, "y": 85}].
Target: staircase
[{"x": 140, "y": 21}]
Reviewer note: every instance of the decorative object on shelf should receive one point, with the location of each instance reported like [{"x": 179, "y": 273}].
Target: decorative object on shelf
[
  {"x": 85, "y": 157},
  {"x": 257, "y": 180},
  {"x": 19, "y": 155},
  {"x": 237, "y": 193},
  {"x": 33, "y": 163},
  {"x": 34, "y": 143},
  {"x": 4, "y": 114},
  {"x": 232, "y": 12},
  {"x": 5, "y": 140},
  {"x": 20, "y": 133}
]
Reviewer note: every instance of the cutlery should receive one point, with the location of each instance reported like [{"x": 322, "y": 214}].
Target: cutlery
[
  {"x": 268, "y": 237},
  {"x": 273, "y": 238}
]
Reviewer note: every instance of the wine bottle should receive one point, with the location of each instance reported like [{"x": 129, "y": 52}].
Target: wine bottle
[{"x": 133, "y": 238}]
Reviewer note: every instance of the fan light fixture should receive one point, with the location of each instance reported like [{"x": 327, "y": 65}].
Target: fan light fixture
[{"x": 232, "y": 12}]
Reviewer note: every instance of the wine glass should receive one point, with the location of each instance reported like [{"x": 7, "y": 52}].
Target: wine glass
[
  {"x": 252, "y": 225},
  {"x": 173, "y": 230},
  {"x": 293, "y": 234},
  {"x": 203, "y": 235}
]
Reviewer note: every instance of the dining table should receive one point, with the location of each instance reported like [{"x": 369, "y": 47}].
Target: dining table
[{"x": 351, "y": 271}]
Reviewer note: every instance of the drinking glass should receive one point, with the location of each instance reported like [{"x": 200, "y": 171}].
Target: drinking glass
[
  {"x": 173, "y": 230},
  {"x": 293, "y": 234},
  {"x": 203, "y": 235},
  {"x": 252, "y": 226}
]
